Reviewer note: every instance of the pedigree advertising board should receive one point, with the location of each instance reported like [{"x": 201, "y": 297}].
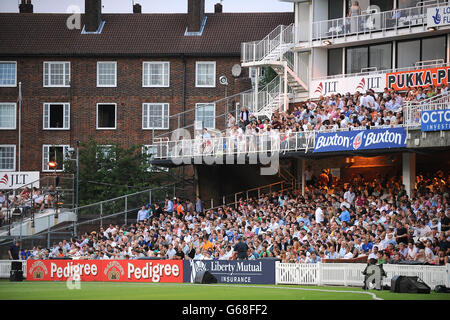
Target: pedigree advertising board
[
  {"x": 418, "y": 78},
  {"x": 106, "y": 270}
]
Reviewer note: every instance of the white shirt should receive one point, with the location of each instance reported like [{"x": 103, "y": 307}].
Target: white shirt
[{"x": 319, "y": 215}]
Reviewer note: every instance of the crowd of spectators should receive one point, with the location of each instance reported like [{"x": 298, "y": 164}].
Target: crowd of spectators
[
  {"x": 334, "y": 112},
  {"x": 374, "y": 219}
]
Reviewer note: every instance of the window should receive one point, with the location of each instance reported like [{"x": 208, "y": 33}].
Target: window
[
  {"x": 106, "y": 151},
  {"x": 7, "y": 116},
  {"x": 377, "y": 56},
  {"x": 335, "y": 9},
  {"x": 151, "y": 150},
  {"x": 106, "y": 116},
  {"x": 155, "y": 116},
  {"x": 407, "y": 3},
  {"x": 8, "y": 74},
  {"x": 107, "y": 74},
  {"x": 56, "y": 116},
  {"x": 205, "y": 115},
  {"x": 334, "y": 61},
  {"x": 56, "y": 74},
  {"x": 205, "y": 74},
  {"x": 412, "y": 51},
  {"x": 56, "y": 153},
  {"x": 8, "y": 157},
  {"x": 156, "y": 74}
]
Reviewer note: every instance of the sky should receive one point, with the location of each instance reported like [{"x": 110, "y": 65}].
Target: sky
[{"x": 151, "y": 6}]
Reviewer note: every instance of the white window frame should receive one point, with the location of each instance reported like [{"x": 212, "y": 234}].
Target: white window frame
[
  {"x": 15, "y": 115},
  {"x": 49, "y": 63},
  {"x": 165, "y": 123},
  {"x": 115, "y": 116},
  {"x": 153, "y": 168},
  {"x": 66, "y": 111},
  {"x": 15, "y": 157},
  {"x": 198, "y": 122},
  {"x": 155, "y": 85},
  {"x": 115, "y": 74},
  {"x": 196, "y": 74},
  {"x": 105, "y": 146},
  {"x": 15, "y": 78},
  {"x": 45, "y": 160}
]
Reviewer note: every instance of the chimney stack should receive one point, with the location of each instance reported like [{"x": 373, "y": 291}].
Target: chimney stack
[
  {"x": 218, "y": 8},
  {"x": 93, "y": 15},
  {"x": 137, "y": 8},
  {"x": 196, "y": 14},
  {"x": 25, "y": 6}
]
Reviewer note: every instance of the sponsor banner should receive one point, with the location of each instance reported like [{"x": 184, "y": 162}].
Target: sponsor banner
[
  {"x": 435, "y": 120},
  {"x": 106, "y": 270},
  {"x": 438, "y": 16},
  {"x": 14, "y": 180},
  {"x": 418, "y": 78},
  {"x": 260, "y": 271},
  {"x": 361, "y": 140},
  {"x": 347, "y": 84}
]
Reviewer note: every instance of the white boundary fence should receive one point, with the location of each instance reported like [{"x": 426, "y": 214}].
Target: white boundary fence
[{"x": 350, "y": 274}]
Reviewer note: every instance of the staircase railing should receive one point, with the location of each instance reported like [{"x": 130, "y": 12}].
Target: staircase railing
[{"x": 258, "y": 50}]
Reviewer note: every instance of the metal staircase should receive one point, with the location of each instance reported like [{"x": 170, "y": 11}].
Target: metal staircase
[{"x": 275, "y": 51}]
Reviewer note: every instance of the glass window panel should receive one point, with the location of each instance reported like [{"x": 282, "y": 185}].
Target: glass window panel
[
  {"x": 433, "y": 48},
  {"x": 408, "y": 53},
  {"x": 334, "y": 61},
  {"x": 7, "y": 116},
  {"x": 7, "y": 157},
  {"x": 357, "y": 59},
  {"x": 407, "y": 3},
  {"x": 7, "y": 73},
  {"x": 380, "y": 56}
]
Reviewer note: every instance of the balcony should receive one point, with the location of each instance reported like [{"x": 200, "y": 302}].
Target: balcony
[{"x": 373, "y": 25}]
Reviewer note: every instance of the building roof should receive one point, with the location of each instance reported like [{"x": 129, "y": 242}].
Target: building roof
[{"x": 135, "y": 34}]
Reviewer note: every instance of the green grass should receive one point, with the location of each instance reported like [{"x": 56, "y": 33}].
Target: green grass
[{"x": 30, "y": 290}]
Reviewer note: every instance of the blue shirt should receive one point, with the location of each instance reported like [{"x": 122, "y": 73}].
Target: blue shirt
[
  {"x": 170, "y": 206},
  {"x": 142, "y": 215},
  {"x": 345, "y": 216},
  {"x": 367, "y": 247}
]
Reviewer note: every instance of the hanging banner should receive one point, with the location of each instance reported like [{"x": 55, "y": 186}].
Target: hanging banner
[
  {"x": 438, "y": 16},
  {"x": 260, "y": 271},
  {"x": 343, "y": 85},
  {"x": 361, "y": 140},
  {"x": 106, "y": 270},
  {"x": 418, "y": 78},
  {"x": 13, "y": 180},
  {"x": 435, "y": 120}
]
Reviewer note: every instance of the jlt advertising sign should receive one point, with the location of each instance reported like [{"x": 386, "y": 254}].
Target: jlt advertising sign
[
  {"x": 438, "y": 16},
  {"x": 361, "y": 140},
  {"x": 14, "y": 180},
  {"x": 435, "y": 120},
  {"x": 106, "y": 270},
  {"x": 418, "y": 78},
  {"x": 348, "y": 84},
  {"x": 259, "y": 271}
]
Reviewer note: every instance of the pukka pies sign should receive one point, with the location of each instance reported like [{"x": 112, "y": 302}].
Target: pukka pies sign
[{"x": 361, "y": 140}]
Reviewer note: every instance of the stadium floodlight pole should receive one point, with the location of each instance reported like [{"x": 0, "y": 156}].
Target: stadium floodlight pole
[
  {"x": 76, "y": 188},
  {"x": 20, "y": 125}
]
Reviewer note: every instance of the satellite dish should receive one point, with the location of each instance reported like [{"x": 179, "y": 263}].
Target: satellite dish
[
  {"x": 236, "y": 70},
  {"x": 223, "y": 80}
]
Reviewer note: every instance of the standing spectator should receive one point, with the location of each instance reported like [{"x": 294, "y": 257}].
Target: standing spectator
[
  {"x": 199, "y": 206},
  {"x": 14, "y": 251},
  {"x": 142, "y": 214},
  {"x": 242, "y": 249}
]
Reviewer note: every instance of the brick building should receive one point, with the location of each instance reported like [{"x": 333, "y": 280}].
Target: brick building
[{"x": 115, "y": 77}]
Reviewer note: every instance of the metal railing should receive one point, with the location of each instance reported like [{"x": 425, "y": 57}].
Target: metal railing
[
  {"x": 271, "y": 47},
  {"x": 371, "y": 22},
  {"x": 350, "y": 274},
  {"x": 183, "y": 151}
]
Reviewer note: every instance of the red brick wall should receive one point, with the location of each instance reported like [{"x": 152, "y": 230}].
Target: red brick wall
[{"x": 83, "y": 95}]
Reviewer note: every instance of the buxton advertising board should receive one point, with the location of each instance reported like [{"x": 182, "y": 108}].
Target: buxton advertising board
[
  {"x": 361, "y": 140},
  {"x": 435, "y": 120},
  {"x": 418, "y": 78},
  {"x": 260, "y": 271},
  {"x": 106, "y": 270}
]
